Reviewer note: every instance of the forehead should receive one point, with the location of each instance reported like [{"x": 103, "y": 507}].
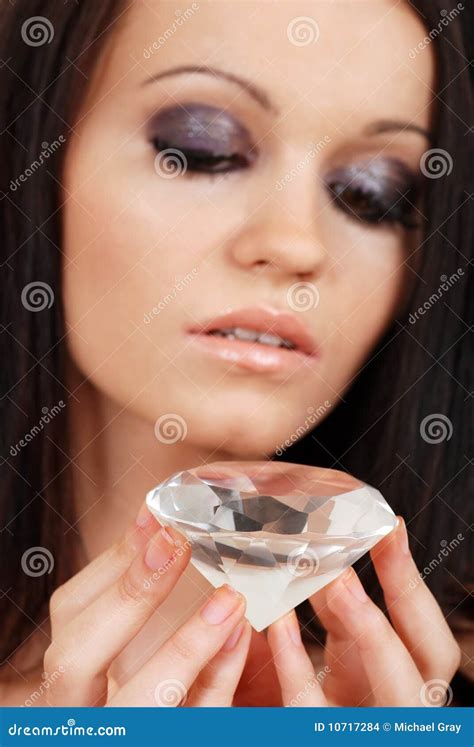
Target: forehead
[{"x": 344, "y": 61}]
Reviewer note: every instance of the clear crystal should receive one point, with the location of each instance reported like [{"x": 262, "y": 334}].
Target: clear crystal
[{"x": 277, "y": 532}]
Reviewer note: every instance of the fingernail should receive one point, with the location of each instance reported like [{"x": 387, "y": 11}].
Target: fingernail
[
  {"x": 172, "y": 536},
  {"x": 160, "y": 550},
  {"x": 234, "y": 637},
  {"x": 223, "y": 602},
  {"x": 402, "y": 536},
  {"x": 293, "y": 629},
  {"x": 144, "y": 516},
  {"x": 352, "y": 583}
]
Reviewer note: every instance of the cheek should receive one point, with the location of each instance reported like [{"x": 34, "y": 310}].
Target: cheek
[
  {"x": 114, "y": 268},
  {"x": 138, "y": 252},
  {"x": 367, "y": 284},
  {"x": 130, "y": 237}
]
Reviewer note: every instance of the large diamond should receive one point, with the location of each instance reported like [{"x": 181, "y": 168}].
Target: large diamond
[{"x": 277, "y": 532}]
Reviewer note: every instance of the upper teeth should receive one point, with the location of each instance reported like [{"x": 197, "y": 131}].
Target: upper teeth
[{"x": 239, "y": 333}]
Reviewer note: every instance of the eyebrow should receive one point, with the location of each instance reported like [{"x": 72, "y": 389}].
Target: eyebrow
[
  {"x": 261, "y": 97},
  {"x": 390, "y": 125},
  {"x": 255, "y": 92}
]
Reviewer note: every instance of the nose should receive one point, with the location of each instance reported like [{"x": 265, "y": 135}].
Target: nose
[{"x": 282, "y": 236}]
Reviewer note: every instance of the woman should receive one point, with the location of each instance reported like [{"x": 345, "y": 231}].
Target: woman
[{"x": 174, "y": 179}]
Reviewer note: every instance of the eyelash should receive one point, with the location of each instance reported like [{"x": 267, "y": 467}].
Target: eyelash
[
  {"x": 399, "y": 211},
  {"x": 203, "y": 162}
]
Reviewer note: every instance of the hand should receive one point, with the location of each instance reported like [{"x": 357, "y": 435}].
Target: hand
[
  {"x": 370, "y": 662},
  {"x": 96, "y": 613}
]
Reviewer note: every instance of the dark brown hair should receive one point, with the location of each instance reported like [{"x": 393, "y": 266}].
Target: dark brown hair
[{"x": 419, "y": 370}]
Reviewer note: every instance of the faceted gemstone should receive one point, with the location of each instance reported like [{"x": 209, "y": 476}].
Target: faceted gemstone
[{"x": 277, "y": 532}]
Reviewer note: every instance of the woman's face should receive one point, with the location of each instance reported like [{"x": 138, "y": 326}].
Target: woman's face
[{"x": 289, "y": 187}]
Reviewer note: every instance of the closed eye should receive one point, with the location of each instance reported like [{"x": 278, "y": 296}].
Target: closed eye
[
  {"x": 376, "y": 194},
  {"x": 203, "y": 161}
]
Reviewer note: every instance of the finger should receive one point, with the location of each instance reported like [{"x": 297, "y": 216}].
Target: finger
[
  {"x": 177, "y": 664},
  {"x": 326, "y": 616},
  {"x": 298, "y": 680},
  {"x": 87, "y": 646},
  {"x": 391, "y": 671},
  {"x": 68, "y": 600},
  {"x": 413, "y": 610},
  {"x": 341, "y": 655},
  {"x": 259, "y": 681},
  {"x": 217, "y": 682}
]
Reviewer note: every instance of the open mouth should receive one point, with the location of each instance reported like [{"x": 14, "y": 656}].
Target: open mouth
[
  {"x": 257, "y": 338},
  {"x": 252, "y": 335}
]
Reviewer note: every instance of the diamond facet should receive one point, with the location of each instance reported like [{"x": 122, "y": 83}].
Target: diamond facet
[{"x": 275, "y": 531}]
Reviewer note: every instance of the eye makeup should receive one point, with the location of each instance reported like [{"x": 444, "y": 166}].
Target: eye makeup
[
  {"x": 212, "y": 140},
  {"x": 383, "y": 190},
  {"x": 377, "y": 191}
]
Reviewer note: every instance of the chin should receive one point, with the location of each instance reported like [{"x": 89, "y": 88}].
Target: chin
[{"x": 239, "y": 436}]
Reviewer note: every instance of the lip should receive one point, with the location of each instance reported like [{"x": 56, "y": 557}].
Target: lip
[{"x": 253, "y": 355}]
